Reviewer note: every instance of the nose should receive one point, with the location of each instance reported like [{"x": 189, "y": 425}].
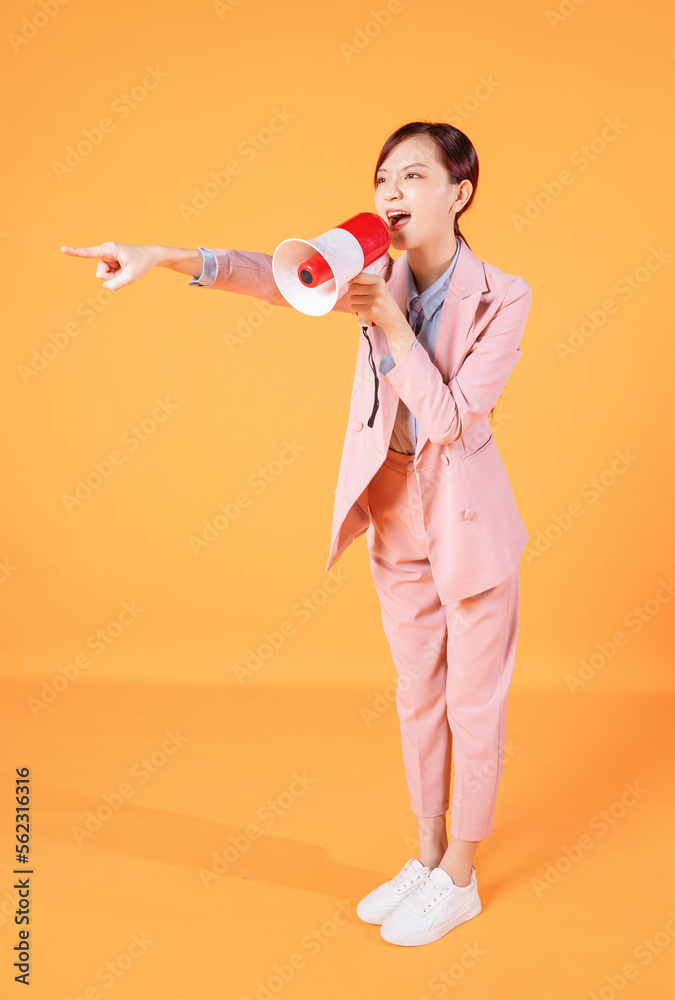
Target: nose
[{"x": 391, "y": 190}]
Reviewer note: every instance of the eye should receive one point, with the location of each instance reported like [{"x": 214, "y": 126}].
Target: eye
[{"x": 411, "y": 173}]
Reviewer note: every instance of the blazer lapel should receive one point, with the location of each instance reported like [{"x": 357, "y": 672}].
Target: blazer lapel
[{"x": 458, "y": 310}]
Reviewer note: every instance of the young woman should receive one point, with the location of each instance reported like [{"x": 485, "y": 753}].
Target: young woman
[{"x": 422, "y": 477}]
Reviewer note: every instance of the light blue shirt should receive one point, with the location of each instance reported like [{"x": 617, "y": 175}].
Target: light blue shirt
[
  {"x": 406, "y": 427},
  {"x": 208, "y": 275}
]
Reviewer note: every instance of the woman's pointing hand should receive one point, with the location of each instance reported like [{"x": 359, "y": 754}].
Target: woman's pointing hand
[{"x": 119, "y": 263}]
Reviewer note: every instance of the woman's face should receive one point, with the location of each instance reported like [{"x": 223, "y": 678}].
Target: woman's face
[{"x": 413, "y": 180}]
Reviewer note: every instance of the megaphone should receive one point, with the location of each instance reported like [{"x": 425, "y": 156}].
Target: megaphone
[{"x": 313, "y": 274}]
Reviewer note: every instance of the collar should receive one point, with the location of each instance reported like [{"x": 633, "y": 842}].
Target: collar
[{"x": 433, "y": 296}]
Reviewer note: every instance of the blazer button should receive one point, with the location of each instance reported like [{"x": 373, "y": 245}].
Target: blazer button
[
  {"x": 468, "y": 514},
  {"x": 445, "y": 460},
  {"x": 411, "y": 466},
  {"x": 356, "y": 425}
]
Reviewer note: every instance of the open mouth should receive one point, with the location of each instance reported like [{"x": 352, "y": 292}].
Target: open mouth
[{"x": 397, "y": 220}]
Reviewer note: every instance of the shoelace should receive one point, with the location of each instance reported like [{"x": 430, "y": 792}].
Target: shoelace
[
  {"x": 404, "y": 878},
  {"x": 427, "y": 893}
]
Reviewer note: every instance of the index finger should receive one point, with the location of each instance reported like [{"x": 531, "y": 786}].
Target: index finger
[{"x": 85, "y": 251}]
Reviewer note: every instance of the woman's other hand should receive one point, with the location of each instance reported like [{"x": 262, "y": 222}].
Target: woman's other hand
[{"x": 369, "y": 295}]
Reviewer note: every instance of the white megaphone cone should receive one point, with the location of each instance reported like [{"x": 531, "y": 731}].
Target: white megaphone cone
[{"x": 313, "y": 274}]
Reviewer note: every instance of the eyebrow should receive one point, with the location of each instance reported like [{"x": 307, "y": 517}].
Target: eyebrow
[{"x": 416, "y": 164}]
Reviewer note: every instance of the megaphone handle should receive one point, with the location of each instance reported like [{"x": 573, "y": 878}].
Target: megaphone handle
[{"x": 370, "y": 269}]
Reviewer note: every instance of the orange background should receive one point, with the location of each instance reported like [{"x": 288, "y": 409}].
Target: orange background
[{"x": 534, "y": 91}]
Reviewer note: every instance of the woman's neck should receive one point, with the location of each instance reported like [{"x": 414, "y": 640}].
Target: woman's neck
[{"x": 428, "y": 264}]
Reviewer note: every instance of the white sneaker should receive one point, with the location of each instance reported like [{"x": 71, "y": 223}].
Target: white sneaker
[
  {"x": 432, "y": 909},
  {"x": 374, "y": 907}
]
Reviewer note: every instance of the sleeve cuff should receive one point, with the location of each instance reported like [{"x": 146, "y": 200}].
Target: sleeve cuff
[
  {"x": 209, "y": 265},
  {"x": 387, "y": 362}
]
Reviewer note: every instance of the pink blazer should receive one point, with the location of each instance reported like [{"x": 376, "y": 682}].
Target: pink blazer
[{"x": 475, "y": 533}]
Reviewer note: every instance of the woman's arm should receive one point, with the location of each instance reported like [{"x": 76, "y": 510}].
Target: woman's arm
[
  {"x": 248, "y": 272},
  {"x": 448, "y": 410},
  {"x": 245, "y": 272},
  {"x": 184, "y": 261}
]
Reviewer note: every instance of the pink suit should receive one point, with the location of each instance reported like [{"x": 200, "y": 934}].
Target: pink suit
[{"x": 444, "y": 533}]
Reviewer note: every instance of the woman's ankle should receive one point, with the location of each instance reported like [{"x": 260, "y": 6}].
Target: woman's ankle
[{"x": 431, "y": 856}]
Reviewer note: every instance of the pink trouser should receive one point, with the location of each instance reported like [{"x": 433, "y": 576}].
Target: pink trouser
[{"x": 454, "y": 661}]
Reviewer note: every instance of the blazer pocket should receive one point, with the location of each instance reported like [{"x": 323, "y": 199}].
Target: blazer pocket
[
  {"x": 477, "y": 449},
  {"x": 357, "y": 383}
]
